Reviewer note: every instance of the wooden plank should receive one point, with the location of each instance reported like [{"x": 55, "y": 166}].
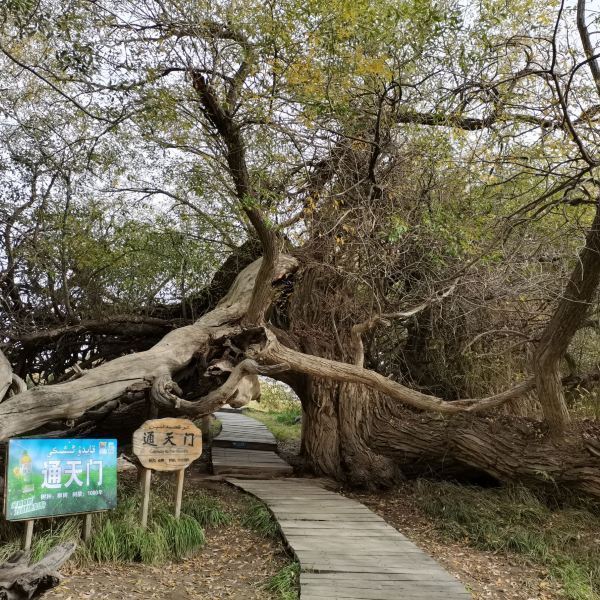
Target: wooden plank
[
  {"x": 373, "y": 549},
  {"x": 387, "y": 594},
  {"x": 28, "y": 534},
  {"x": 146, "y": 479},
  {"x": 315, "y": 524},
  {"x": 374, "y": 579},
  {"x": 322, "y": 581},
  {"x": 241, "y": 432},
  {"x": 227, "y": 461},
  {"x": 378, "y": 594},
  {"x": 346, "y": 551}
]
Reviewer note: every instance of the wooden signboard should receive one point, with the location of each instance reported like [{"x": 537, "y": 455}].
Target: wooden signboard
[{"x": 166, "y": 445}]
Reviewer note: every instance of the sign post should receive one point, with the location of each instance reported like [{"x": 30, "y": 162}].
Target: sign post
[
  {"x": 48, "y": 477},
  {"x": 166, "y": 445},
  {"x": 178, "y": 491},
  {"x": 87, "y": 527},
  {"x": 28, "y": 534}
]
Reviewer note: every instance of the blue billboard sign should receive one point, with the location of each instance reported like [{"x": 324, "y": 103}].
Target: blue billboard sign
[{"x": 47, "y": 477}]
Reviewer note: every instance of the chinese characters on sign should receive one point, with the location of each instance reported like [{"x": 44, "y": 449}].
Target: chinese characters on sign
[
  {"x": 167, "y": 444},
  {"x": 50, "y": 477}
]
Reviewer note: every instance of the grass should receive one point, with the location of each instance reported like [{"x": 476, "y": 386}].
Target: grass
[
  {"x": 285, "y": 582},
  {"x": 279, "y": 410},
  {"x": 256, "y": 516},
  {"x": 560, "y": 534},
  {"x": 215, "y": 427},
  {"x": 206, "y": 510},
  {"x": 118, "y": 536},
  {"x": 280, "y": 425}
]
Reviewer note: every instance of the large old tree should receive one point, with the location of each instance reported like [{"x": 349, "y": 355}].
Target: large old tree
[{"x": 392, "y": 207}]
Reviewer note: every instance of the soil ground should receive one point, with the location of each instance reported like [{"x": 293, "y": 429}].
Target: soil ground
[{"x": 235, "y": 563}]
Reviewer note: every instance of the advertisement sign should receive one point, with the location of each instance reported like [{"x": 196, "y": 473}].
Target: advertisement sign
[{"x": 49, "y": 477}]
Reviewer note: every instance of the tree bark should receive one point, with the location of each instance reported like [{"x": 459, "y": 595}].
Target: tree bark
[
  {"x": 568, "y": 317},
  {"x": 505, "y": 447},
  {"x": 320, "y": 430},
  {"x": 21, "y": 581},
  {"x": 5, "y": 375},
  {"x": 33, "y": 408}
]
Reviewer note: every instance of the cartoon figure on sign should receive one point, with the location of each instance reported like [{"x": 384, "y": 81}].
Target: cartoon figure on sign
[{"x": 26, "y": 469}]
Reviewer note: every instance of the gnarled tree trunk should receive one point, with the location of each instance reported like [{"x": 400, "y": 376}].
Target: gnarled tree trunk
[
  {"x": 567, "y": 319},
  {"x": 111, "y": 381},
  {"x": 506, "y": 448}
]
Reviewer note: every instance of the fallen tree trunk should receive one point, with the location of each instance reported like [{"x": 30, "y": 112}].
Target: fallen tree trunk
[
  {"x": 20, "y": 580},
  {"x": 33, "y": 408},
  {"x": 5, "y": 375},
  {"x": 505, "y": 447},
  {"x": 344, "y": 425}
]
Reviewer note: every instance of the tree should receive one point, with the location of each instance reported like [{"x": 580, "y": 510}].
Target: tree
[{"x": 344, "y": 137}]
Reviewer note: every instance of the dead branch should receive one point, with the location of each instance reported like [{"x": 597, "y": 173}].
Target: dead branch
[
  {"x": 20, "y": 580},
  {"x": 163, "y": 388}
]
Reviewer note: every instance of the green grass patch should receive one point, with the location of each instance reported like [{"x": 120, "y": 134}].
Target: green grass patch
[
  {"x": 285, "y": 582},
  {"x": 205, "y": 509},
  {"x": 278, "y": 409},
  {"x": 562, "y": 535},
  {"x": 281, "y": 425},
  {"x": 256, "y": 516},
  {"x": 117, "y": 534}
]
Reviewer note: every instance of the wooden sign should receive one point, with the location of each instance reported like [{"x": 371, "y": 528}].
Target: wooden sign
[{"x": 167, "y": 444}]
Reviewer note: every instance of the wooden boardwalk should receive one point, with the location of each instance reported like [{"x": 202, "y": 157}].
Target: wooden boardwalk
[
  {"x": 246, "y": 447},
  {"x": 346, "y": 551},
  {"x": 240, "y": 431}
]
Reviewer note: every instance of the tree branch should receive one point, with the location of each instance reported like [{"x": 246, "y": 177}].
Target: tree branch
[
  {"x": 360, "y": 329},
  {"x": 275, "y": 353},
  {"x": 587, "y": 44},
  {"x": 33, "y": 408},
  {"x": 163, "y": 388}
]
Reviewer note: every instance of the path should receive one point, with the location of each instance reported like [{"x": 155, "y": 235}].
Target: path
[
  {"x": 345, "y": 551},
  {"x": 246, "y": 447}
]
